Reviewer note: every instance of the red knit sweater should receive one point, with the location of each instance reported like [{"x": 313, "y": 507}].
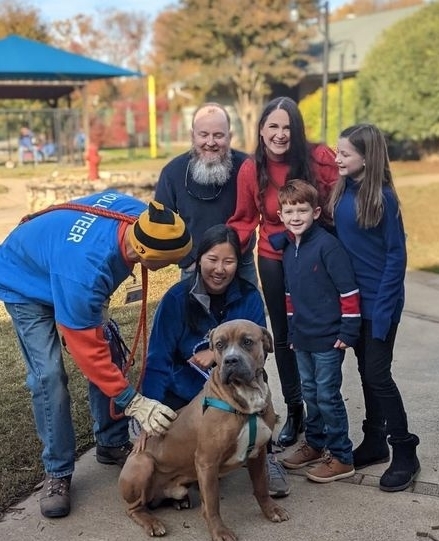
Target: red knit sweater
[{"x": 248, "y": 214}]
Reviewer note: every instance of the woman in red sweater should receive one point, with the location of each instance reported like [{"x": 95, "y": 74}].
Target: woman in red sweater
[{"x": 282, "y": 153}]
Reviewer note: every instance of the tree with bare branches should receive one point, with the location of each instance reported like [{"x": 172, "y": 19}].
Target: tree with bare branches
[
  {"x": 111, "y": 35},
  {"x": 236, "y": 48}
]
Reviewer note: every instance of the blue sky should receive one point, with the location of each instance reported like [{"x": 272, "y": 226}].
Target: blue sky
[{"x": 64, "y": 9}]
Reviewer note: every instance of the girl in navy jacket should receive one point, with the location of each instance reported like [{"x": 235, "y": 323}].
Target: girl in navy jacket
[{"x": 368, "y": 222}]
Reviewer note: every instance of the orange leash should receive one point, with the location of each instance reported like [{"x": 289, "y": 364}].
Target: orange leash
[
  {"x": 81, "y": 208},
  {"x": 140, "y": 332}
]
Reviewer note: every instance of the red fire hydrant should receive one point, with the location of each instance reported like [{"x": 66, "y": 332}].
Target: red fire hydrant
[{"x": 93, "y": 158}]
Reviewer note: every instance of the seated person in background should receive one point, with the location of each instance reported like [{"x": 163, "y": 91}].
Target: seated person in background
[
  {"x": 26, "y": 143},
  {"x": 178, "y": 352},
  {"x": 47, "y": 147},
  {"x": 79, "y": 147}
]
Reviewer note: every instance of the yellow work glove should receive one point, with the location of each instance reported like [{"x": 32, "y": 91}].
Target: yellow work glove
[{"x": 154, "y": 417}]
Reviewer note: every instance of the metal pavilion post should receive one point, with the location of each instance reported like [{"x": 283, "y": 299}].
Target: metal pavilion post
[{"x": 325, "y": 72}]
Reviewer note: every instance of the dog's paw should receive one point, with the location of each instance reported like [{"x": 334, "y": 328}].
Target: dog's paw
[
  {"x": 280, "y": 516},
  {"x": 152, "y": 526},
  {"x": 276, "y": 513},
  {"x": 223, "y": 534},
  {"x": 155, "y": 528},
  {"x": 184, "y": 503}
]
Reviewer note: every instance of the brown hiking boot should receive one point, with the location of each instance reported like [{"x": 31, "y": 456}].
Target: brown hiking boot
[
  {"x": 302, "y": 456},
  {"x": 330, "y": 469},
  {"x": 55, "y": 496},
  {"x": 113, "y": 455}
]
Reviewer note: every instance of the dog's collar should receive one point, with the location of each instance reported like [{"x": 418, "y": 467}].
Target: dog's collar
[{"x": 252, "y": 418}]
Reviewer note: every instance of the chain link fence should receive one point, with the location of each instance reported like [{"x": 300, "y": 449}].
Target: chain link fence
[{"x": 52, "y": 135}]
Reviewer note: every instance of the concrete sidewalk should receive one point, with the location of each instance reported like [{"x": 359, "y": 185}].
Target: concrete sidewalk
[{"x": 349, "y": 510}]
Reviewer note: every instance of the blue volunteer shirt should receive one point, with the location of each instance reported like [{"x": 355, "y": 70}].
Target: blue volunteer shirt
[{"x": 68, "y": 259}]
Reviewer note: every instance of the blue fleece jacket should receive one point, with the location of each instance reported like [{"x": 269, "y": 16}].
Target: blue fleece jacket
[
  {"x": 321, "y": 293},
  {"x": 172, "y": 342},
  {"x": 378, "y": 256}
]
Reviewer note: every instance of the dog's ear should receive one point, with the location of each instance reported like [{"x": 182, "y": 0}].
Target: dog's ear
[
  {"x": 211, "y": 333},
  {"x": 267, "y": 341}
]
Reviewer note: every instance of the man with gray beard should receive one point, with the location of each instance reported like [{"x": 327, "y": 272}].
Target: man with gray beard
[{"x": 201, "y": 184}]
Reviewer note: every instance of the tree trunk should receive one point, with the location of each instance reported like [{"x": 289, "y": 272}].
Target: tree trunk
[{"x": 248, "y": 106}]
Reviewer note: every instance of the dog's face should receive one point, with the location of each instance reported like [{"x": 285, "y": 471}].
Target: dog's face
[{"x": 240, "y": 348}]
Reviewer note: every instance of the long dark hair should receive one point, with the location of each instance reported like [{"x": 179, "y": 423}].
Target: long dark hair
[
  {"x": 298, "y": 156},
  {"x": 217, "y": 234}
]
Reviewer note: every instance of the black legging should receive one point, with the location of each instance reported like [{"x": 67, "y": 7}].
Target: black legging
[
  {"x": 272, "y": 280},
  {"x": 382, "y": 398}
]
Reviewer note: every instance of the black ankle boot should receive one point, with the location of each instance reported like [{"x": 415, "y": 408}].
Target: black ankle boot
[
  {"x": 373, "y": 449},
  {"x": 404, "y": 466},
  {"x": 292, "y": 427}
]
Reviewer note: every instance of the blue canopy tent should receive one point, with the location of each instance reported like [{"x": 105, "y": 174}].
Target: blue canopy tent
[
  {"x": 32, "y": 70},
  {"x": 36, "y": 71}
]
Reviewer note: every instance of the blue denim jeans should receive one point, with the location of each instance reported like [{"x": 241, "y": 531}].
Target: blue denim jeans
[
  {"x": 326, "y": 423},
  {"x": 32, "y": 150},
  {"x": 48, "y": 383}
]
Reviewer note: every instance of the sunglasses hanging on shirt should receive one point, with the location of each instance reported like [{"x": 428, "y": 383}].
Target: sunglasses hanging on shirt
[{"x": 202, "y": 192}]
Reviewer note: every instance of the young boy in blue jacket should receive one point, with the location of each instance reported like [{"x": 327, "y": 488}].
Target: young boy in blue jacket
[{"x": 323, "y": 319}]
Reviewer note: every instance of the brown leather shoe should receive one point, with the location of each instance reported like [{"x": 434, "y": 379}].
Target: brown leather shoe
[
  {"x": 113, "y": 455},
  {"x": 55, "y": 496},
  {"x": 329, "y": 470},
  {"x": 302, "y": 456}
]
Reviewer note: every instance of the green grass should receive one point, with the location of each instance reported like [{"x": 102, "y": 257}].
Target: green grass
[
  {"x": 20, "y": 464},
  {"x": 421, "y": 221},
  {"x": 111, "y": 159}
]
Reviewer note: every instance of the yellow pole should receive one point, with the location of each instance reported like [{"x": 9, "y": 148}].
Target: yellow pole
[{"x": 152, "y": 116}]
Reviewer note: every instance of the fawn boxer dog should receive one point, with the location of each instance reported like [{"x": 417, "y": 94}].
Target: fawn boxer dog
[{"x": 226, "y": 425}]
